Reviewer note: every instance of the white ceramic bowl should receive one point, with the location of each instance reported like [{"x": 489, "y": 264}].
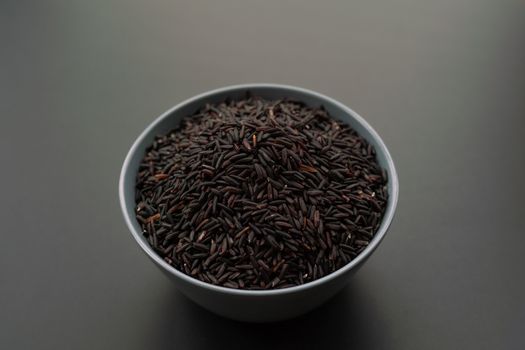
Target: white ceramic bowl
[{"x": 248, "y": 305}]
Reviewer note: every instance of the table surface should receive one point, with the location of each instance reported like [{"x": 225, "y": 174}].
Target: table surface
[{"x": 443, "y": 82}]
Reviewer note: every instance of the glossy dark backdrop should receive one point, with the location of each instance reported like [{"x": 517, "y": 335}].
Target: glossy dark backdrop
[{"x": 443, "y": 82}]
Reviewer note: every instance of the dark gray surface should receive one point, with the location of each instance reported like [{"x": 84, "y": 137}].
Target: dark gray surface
[{"x": 443, "y": 82}]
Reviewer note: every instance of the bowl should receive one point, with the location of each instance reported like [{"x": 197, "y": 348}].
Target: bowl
[{"x": 249, "y": 305}]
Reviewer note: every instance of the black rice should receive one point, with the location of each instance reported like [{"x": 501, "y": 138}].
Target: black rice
[{"x": 258, "y": 194}]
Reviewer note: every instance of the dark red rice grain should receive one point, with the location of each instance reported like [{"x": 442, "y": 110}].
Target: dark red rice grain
[{"x": 258, "y": 194}]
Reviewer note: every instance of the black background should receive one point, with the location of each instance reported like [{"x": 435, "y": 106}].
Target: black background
[{"x": 443, "y": 82}]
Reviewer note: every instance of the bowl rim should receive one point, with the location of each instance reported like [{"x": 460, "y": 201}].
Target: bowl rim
[{"x": 378, "y": 237}]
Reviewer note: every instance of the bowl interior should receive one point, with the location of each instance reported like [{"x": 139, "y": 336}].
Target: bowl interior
[{"x": 172, "y": 118}]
